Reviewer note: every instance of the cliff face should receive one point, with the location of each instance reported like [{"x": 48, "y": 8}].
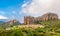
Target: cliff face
[
  {"x": 28, "y": 20},
  {"x": 49, "y": 16},
  {"x": 45, "y": 17},
  {"x": 12, "y": 21}
]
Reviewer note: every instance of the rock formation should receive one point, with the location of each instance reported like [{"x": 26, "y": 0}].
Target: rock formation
[
  {"x": 45, "y": 17},
  {"x": 49, "y": 16},
  {"x": 28, "y": 20}
]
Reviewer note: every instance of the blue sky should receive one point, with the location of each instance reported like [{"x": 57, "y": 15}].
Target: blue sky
[
  {"x": 17, "y": 9},
  {"x": 11, "y": 9}
]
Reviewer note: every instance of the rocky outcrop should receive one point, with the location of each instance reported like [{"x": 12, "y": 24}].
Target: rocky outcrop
[
  {"x": 12, "y": 21},
  {"x": 28, "y": 20},
  {"x": 45, "y": 17},
  {"x": 49, "y": 16}
]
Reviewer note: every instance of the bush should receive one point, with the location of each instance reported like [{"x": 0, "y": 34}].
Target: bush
[{"x": 30, "y": 32}]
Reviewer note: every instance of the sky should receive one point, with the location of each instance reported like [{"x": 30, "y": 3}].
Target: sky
[{"x": 17, "y": 9}]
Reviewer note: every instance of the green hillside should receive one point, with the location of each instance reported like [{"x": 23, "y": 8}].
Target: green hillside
[
  {"x": 51, "y": 28},
  {"x": 51, "y": 23},
  {"x": 7, "y": 25}
]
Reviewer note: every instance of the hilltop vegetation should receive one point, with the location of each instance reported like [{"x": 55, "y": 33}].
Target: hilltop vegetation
[
  {"x": 51, "y": 28},
  {"x": 51, "y": 23}
]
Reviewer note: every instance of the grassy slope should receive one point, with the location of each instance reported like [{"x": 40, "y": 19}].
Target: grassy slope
[
  {"x": 52, "y": 23},
  {"x": 29, "y": 31}
]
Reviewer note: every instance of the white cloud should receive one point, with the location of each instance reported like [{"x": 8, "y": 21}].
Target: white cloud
[
  {"x": 40, "y": 7},
  {"x": 24, "y": 5},
  {"x": 3, "y": 17}
]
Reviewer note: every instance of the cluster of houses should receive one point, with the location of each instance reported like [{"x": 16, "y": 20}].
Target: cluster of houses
[{"x": 45, "y": 17}]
